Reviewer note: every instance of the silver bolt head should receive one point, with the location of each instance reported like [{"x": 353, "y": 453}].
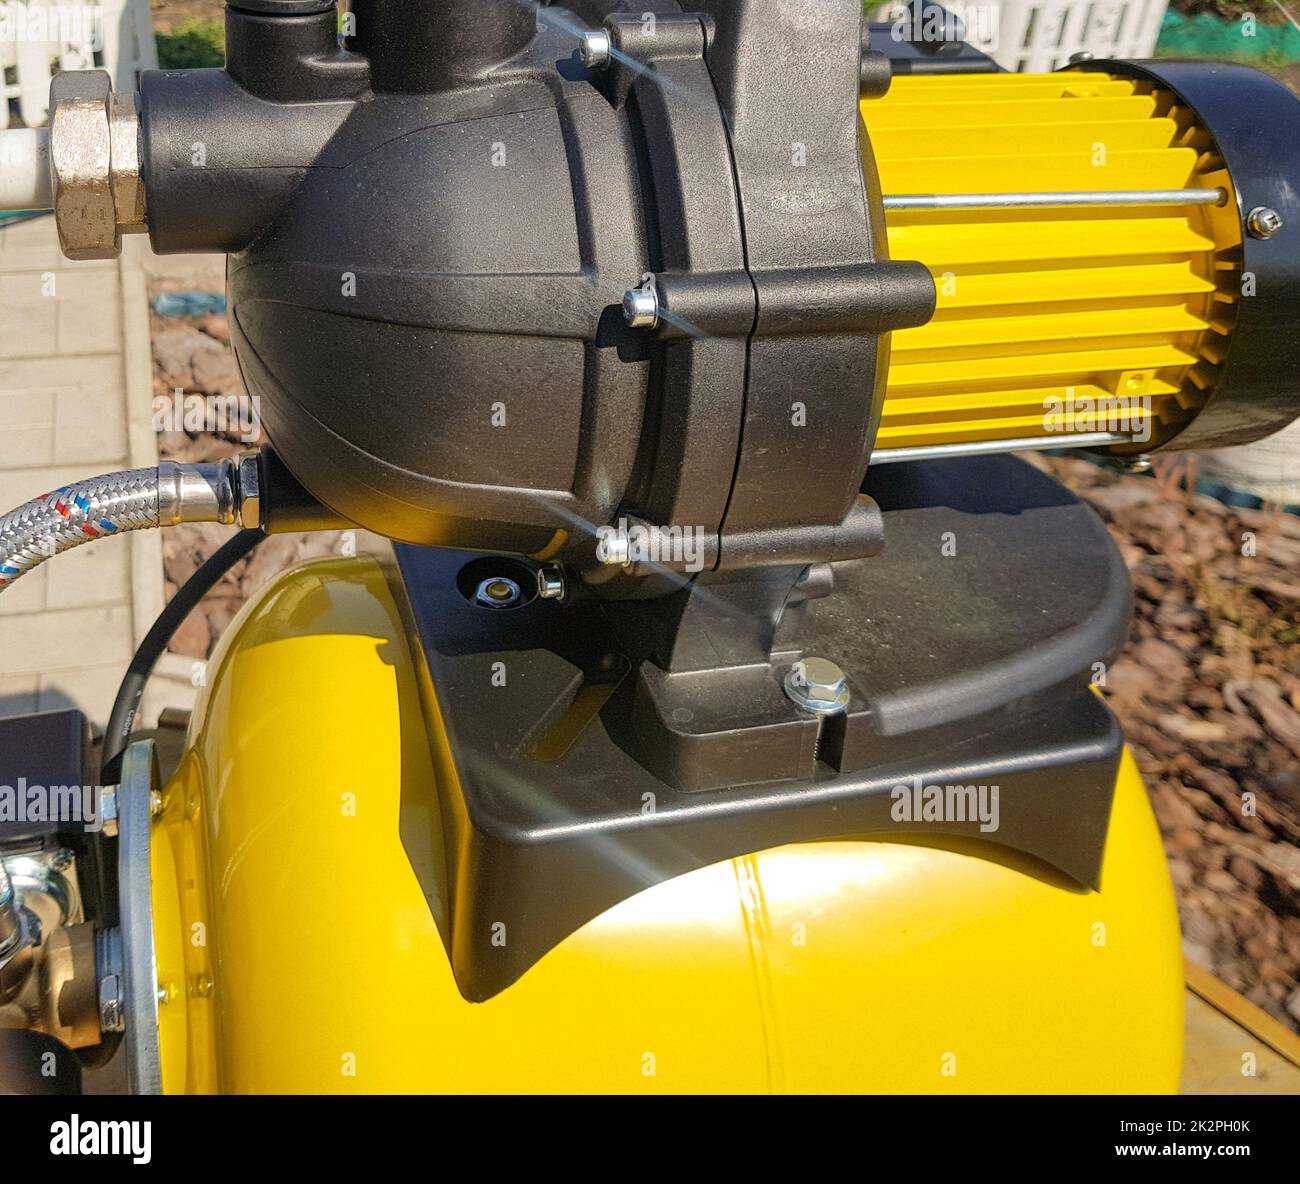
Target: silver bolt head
[
  {"x": 550, "y": 583},
  {"x": 641, "y": 308},
  {"x": 1263, "y": 222},
  {"x": 498, "y": 592},
  {"x": 112, "y": 1017},
  {"x": 594, "y": 49},
  {"x": 817, "y": 685},
  {"x": 1138, "y": 464},
  {"x": 1082, "y": 56},
  {"x": 108, "y": 810}
]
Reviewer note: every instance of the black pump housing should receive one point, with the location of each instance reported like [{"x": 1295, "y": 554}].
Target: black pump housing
[{"x": 431, "y": 227}]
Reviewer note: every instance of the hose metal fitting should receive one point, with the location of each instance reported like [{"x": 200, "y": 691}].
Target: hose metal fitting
[
  {"x": 196, "y": 493},
  {"x": 137, "y": 499}
]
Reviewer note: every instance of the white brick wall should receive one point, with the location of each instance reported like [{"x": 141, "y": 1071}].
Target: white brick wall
[{"x": 68, "y": 630}]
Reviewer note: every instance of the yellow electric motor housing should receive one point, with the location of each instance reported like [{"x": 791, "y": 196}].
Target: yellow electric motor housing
[{"x": 1060, "y": 322}]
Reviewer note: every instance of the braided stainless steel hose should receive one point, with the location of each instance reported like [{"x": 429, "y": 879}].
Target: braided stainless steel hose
[{"x": 136, "y": 499}]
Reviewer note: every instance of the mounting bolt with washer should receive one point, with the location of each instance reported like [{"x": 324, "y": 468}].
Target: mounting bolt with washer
[
  {"x": 594, "y": 49},
  {"x": 641, "y": 308},
  {"x": 1263, "y": 222},
  {"x": 817, "y": 685},
  {"x": 550, "y": 583}
]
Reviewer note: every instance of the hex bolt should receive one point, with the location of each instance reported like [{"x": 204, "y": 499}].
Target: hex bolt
[
  {"x": 550, "y": 583},
  {"x": 112, "y": 983},
  {"x": 112, "y": 1008},
  {"x": 108, "y": 810},
  {"x": 817, "y": 685},
  {"x": 1263, "y": 222},
  {"x": 498, "y": 592},
  {"x": 641, "y": 308},
  {"x": 594, "y": 49}
]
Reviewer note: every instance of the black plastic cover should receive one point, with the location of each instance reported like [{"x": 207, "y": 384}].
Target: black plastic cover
[{"x": 972, "y": 668}]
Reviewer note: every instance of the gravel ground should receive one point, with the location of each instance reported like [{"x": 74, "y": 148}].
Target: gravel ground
[{"x": 1208, "y": 690}]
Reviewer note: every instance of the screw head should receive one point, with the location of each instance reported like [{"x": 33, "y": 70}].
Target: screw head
[
  {"x": 108, "y": 810},
  {"x": 817, "y": 685},
  {"x": 498, "y": 592},
  {"x": 1263, "y": 222},
  {"x": 1082, "y": 56},
  {"x": 641, "y": 308},
  {"x": 593, "y": 49}
]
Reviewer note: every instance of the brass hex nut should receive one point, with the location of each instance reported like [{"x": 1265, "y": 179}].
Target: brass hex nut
[
  {"x": 124, "y": 160},
  {"x": 81, "y": 164}
]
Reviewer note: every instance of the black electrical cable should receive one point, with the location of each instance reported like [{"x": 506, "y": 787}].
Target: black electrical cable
[{"x": 122, "y": 718}]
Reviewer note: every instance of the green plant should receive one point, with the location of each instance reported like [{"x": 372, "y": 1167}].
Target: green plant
[{"x": 197, "y": 43}]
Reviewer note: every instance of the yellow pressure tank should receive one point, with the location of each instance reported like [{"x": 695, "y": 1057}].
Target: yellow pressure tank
[{"x": 296, "y": 952}]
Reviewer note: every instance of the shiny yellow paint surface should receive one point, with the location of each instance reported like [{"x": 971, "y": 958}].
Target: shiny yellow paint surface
[
  {"x": 1053, "y": 312},
  {"x": 299, "y": 954}
]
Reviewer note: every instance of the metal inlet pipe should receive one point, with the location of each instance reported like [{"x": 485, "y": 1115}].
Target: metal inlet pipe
[
  {"x": 1047, "y": 201},
  {"x": 25, "y": 169}
]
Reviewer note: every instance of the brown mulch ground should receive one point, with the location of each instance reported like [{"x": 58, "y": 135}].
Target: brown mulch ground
[
  {"x": 1208, "y": 690},
  {"x": 194, "y": 354}
]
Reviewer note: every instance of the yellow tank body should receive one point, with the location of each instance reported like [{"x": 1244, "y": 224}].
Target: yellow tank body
[
  {"x": 297, "y": 952},
  {"x": 1091, "y": 316}
]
